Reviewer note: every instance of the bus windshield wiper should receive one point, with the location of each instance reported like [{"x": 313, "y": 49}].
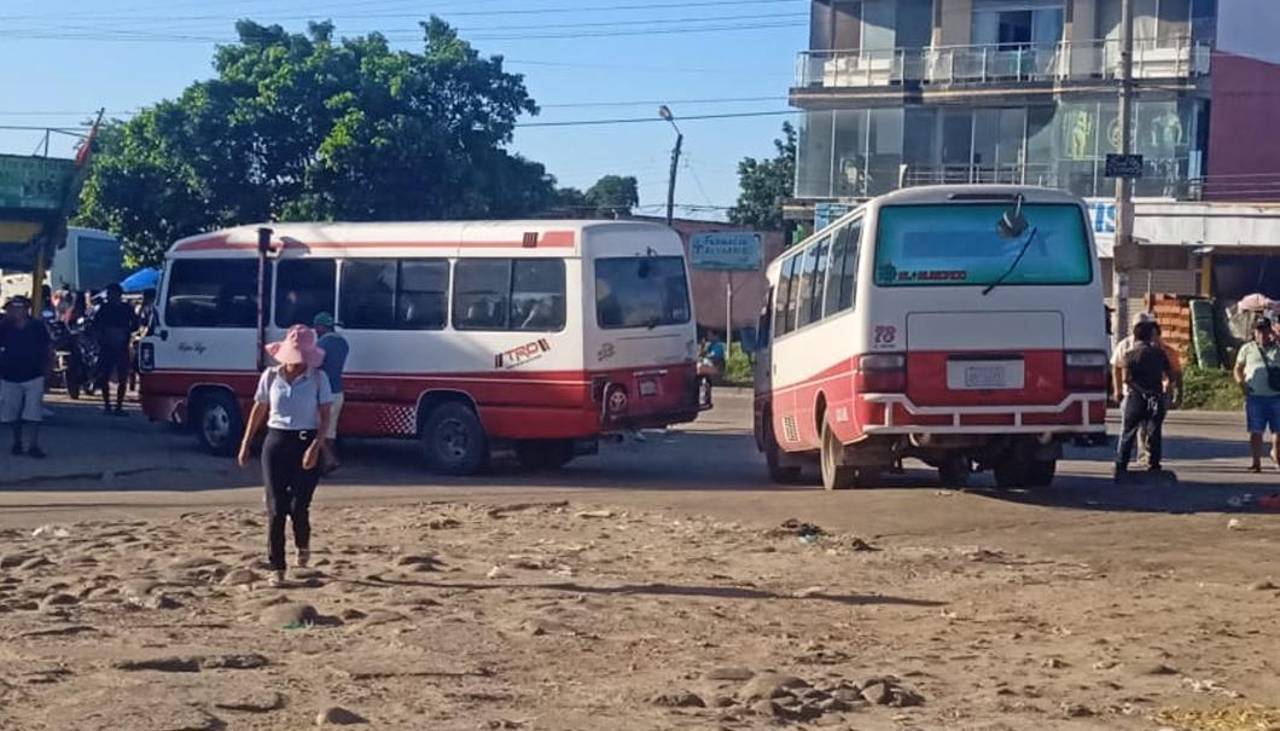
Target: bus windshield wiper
[{"x": 1016, "y": 261}]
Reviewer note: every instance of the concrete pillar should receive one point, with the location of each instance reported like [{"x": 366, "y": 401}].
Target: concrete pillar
[{"x": 956, "y": 22}]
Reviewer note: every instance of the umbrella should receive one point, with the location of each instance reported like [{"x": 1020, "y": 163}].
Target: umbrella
[{"x": 141, "y": 280}]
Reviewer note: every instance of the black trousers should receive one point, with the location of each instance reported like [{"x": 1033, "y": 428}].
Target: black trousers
[
  {"x": 289, "y": 490},
  {"x": 1142, "y": 413}
]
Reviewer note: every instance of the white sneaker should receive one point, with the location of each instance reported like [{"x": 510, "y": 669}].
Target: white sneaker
[{"x": 276, "y": 580}]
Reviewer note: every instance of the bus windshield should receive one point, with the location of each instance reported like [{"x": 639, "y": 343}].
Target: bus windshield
[
  {"x": 953, "y": 244},
  {"x": 641, "y": 291}
]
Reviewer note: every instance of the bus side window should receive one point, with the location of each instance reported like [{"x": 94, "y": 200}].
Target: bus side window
[
  {"x": 808, "y": 273},
  {"x": 819, "y": 279},
  {"x": 785, "y": 319},
  {"x": 304, "y": 289},
  {"x": 213, "y": 293},
  {"x": 764, "y": 332},
  {"x": 843, "y": 269}
]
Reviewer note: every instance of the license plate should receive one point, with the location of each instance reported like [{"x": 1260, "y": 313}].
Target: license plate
[
  {"x": 985, "y": 375},
  {"x": 648, "y": 388}
]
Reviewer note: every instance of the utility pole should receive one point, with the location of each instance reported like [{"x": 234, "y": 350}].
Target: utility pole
[
  {"x": 1125, "y": 252},
  {"x": 665, "y": 113}
]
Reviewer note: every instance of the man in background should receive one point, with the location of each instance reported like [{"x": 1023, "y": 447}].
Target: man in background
[
  {"x": 1172, "y": 396},
  {"x": 336, "y": 349},
  {"x": 1145, "y": 370},
  {"x": 113, "y": 325},
  {"x": 26, "y": 351},
  {"x": 1255, "y": 363}
]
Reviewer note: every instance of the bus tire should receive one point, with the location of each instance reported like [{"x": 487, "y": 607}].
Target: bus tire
[
  {"x": 1011, "y": 473},
  {"x": 835, "y": 476},
  {"x": 453, "y": 440},
  {"x": 544, "y": 454},
  {"x": 217, "y": 422},
  {"x": 779, "y": 473},
  {"x": 955, "y": 472},
  {"x": 1040, "y": 472}
]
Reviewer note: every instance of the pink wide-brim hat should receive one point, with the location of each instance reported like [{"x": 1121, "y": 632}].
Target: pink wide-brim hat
[{"x": 298, "y": 346}]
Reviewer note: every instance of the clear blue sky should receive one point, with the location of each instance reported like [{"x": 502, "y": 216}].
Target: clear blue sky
[{"x": 60, "y": 59}]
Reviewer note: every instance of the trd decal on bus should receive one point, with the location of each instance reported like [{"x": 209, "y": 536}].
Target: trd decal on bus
[{"x": 523, "y": 354}]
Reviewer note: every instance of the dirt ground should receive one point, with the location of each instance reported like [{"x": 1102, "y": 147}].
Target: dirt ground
[{"x": 579, "y": 603}]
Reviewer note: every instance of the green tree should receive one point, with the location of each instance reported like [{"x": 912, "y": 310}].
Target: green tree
[
  {"x": 306, "y": 127},
  {"x": 570, "y": 203},
  {"x": 765, "y": 184},
  {"x": 614, "y": 195}
]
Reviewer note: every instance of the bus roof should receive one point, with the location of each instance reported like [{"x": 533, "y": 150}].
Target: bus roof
[
  {"x": 972, "y": 194},
  {"x": 558, "y": 237}
]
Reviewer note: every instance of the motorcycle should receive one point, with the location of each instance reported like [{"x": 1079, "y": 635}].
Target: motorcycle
[{"x": 76, "y": 358}]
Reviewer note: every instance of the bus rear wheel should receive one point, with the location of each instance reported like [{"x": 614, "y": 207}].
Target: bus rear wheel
[
  {"x": 453, "y": 439},
  {"x": 544, "y": 454},
  {"x": 835, "y": 476}
]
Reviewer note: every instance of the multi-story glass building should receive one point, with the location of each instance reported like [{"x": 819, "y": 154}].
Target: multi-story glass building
[{"x": 910, "y": 92}]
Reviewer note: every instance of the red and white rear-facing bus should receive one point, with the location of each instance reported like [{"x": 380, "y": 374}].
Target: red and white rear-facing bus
[
  {"x": 543, "y": 335},
  {"x": 959, "y": 325}
]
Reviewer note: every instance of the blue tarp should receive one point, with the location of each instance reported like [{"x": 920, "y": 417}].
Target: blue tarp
[{"x": 141, "y": 280}]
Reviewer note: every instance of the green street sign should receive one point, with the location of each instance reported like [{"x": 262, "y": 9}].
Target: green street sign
[{"x": 36, "y": 184}]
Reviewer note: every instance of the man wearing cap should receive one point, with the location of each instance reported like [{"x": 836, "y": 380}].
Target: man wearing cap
[
  {"x": 1172, "y": 396},
  {"x": 25, "y": 353},
  {"x": 336, "y": 350},
  {"x": 1256, "y": 363}
]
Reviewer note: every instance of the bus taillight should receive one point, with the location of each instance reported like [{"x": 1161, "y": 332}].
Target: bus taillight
[
  {"x": 881, "y": 373},
  {"x": 1085, "y": 371}
]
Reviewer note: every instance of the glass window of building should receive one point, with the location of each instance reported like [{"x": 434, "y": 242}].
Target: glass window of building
[{"x": 814, "y": 155}]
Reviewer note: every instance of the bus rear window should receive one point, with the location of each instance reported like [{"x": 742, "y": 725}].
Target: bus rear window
[
  {"x": 958, "y": 245},
  {"x": 641, "y": 291}
]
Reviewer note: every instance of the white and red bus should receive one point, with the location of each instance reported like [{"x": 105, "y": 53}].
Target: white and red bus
[
  {"x": 542, "y": 335},
  {"x": 959, "y": 325}
]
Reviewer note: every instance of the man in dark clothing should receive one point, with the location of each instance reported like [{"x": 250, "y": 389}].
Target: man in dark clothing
[
  {"x": 25, "y": 352},
  {"x": 1145, "y": 370},
  {"x": 113, "y": 325}
]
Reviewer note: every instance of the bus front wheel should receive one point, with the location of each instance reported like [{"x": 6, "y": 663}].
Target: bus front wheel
[
  {"x": 835, "y": 476},
  {"x": 217, "y": 423},
  {"x": 453, "y": 439}
]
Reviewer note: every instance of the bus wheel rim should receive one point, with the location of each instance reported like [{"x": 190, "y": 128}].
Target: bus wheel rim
[{"x": 216, "y": 424}]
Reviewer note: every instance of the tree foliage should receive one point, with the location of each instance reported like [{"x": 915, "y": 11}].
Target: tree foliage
[
  {"x": 306, "y": 127},
  {"x": 765, "y": 184},
  {"x": 614, "y": 195}
]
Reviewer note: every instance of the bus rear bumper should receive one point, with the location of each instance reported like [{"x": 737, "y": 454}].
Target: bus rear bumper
[{"x": 1076, "y": 414}]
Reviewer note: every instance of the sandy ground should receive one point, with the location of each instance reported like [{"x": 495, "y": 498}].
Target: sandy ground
[{"x": 661, "y": 586}]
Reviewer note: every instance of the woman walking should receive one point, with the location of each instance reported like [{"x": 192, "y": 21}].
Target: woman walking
[{"x": 293, "y": 402}]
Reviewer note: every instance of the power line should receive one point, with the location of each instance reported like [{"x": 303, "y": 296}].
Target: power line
[
  {"x": 475, "y": 35},
  {"x": 643, "y": 120},
  {"x": 421, "y": 15},
  {"x": 644, "y": 102}
]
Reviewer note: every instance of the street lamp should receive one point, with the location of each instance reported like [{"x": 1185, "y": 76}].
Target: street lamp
[{"x": 665, "y": 112}]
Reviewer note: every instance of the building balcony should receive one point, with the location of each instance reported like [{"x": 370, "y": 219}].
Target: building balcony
[{"x": 1001, "y": 65}]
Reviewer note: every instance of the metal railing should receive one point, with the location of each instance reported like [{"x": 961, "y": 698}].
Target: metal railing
[{"x": 1176, "y": 58}]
